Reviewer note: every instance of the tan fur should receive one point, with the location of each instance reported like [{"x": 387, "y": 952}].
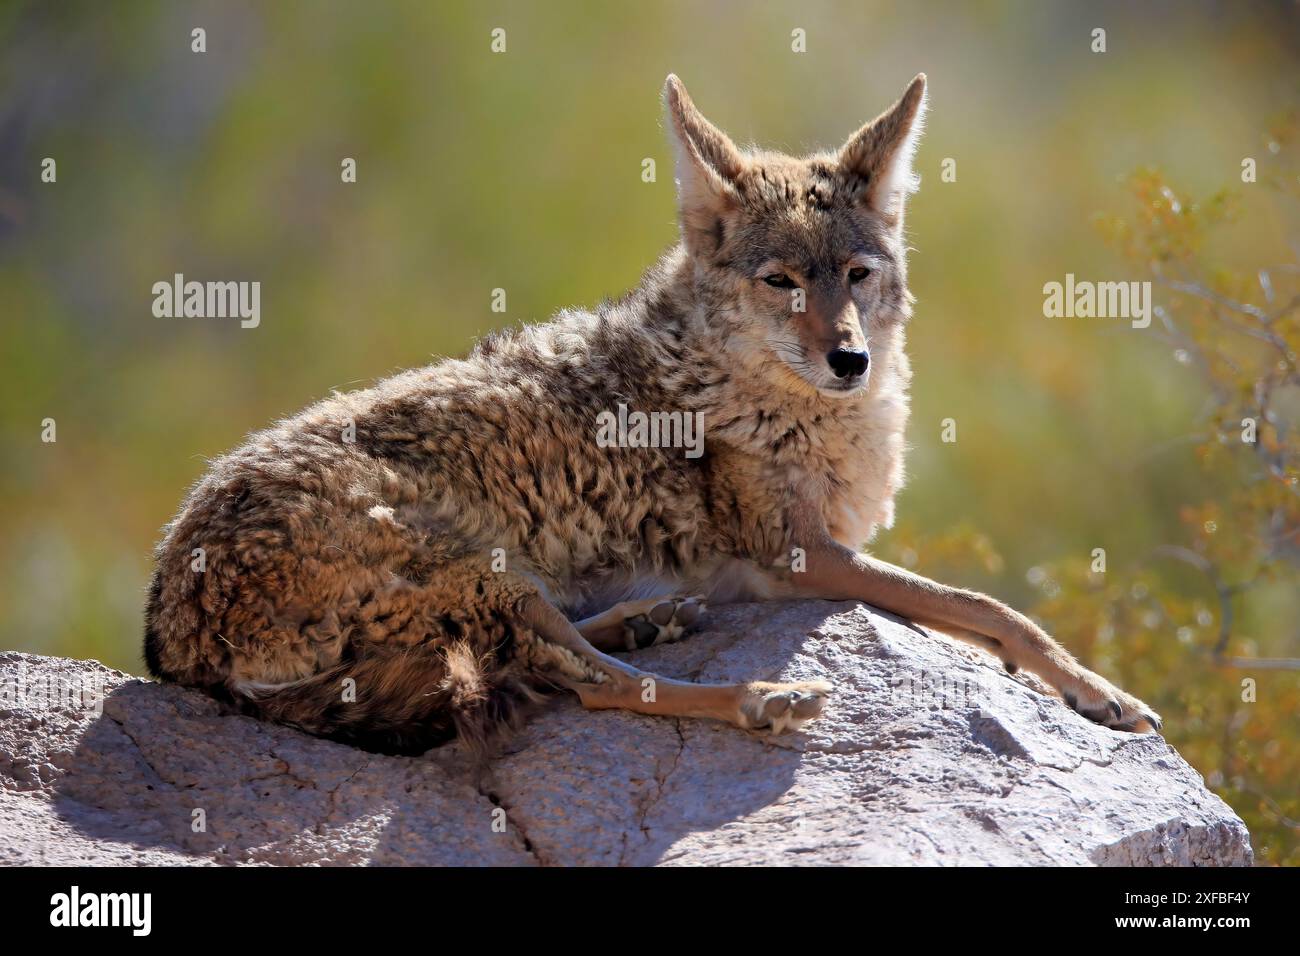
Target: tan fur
[{"x": 355, "y": 588}]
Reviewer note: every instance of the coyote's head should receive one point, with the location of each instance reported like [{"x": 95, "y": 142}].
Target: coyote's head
[{"x": 801, "y": 259}]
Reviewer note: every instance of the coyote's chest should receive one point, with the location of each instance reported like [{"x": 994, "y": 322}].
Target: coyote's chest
[
  {"x": 846, "y": 455},
  {"x": 853, "y": 473},
  {"x": 862, "y": 482}
]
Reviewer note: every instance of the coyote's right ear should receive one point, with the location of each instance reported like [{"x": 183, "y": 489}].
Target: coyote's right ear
[{"x": 706, "y": 168}]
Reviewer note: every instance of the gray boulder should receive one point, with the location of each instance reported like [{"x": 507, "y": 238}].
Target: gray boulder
[{"x": 928, "y": 753}]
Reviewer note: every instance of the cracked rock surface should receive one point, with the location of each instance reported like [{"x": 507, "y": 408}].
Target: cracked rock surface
[{"x": 928, "y": 753}]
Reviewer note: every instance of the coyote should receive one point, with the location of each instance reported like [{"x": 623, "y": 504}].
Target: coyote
[{"x": 415, "y": 562}]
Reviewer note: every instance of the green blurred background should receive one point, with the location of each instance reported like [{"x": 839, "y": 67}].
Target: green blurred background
[{"x": 522, "y": 170}]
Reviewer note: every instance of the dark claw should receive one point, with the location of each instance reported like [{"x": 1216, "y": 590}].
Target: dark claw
[
  {"x": 1011, "y": 666},
  {"x": 1153, "y": 720},
  {"x": 643, "y": 632},
  {"x": 1115, "y": 709},
  {"x": 1072, "y": 701}
]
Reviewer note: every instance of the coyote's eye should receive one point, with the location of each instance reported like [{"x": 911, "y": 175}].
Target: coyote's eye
[
  {"x": 780, "y": 280},
  {"x": 857, "y": 274}
]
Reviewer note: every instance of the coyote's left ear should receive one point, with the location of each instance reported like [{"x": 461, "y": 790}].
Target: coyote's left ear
[
  {"x": 708, "y": 164},
  {"x": 881, "y": 152}
]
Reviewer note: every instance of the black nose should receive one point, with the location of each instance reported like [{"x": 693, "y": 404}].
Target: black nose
[{"x": 847, "y": 363}]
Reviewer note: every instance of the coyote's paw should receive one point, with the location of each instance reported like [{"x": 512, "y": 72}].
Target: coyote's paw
[
  {"x": 782, "y": 708},
  {"x": 1102, "y": 702},
  {"x": 664, "y": 621}
]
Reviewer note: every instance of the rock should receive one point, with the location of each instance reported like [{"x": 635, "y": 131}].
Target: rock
[{"x": 927, "y": 754}]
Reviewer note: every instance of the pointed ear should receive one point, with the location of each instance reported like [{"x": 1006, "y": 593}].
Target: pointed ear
[
  {"x": 707, "y": 165},
  {"x": 881, "y": 152}
]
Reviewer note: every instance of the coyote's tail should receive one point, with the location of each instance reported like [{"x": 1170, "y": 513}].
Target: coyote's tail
[
  {"x": 400, "y": 701},
  {"x": 471, "y": 679}
]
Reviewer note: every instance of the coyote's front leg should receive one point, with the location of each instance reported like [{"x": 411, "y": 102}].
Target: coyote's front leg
[{"x": 835, "y": 572}]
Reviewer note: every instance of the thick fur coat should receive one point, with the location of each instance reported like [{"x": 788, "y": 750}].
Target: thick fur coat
[{"x": 371, "y": 568}]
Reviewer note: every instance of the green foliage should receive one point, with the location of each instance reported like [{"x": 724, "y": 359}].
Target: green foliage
[
  {"x": 1204, "y": 625},
  {"x": 1240, "y": 328}
]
